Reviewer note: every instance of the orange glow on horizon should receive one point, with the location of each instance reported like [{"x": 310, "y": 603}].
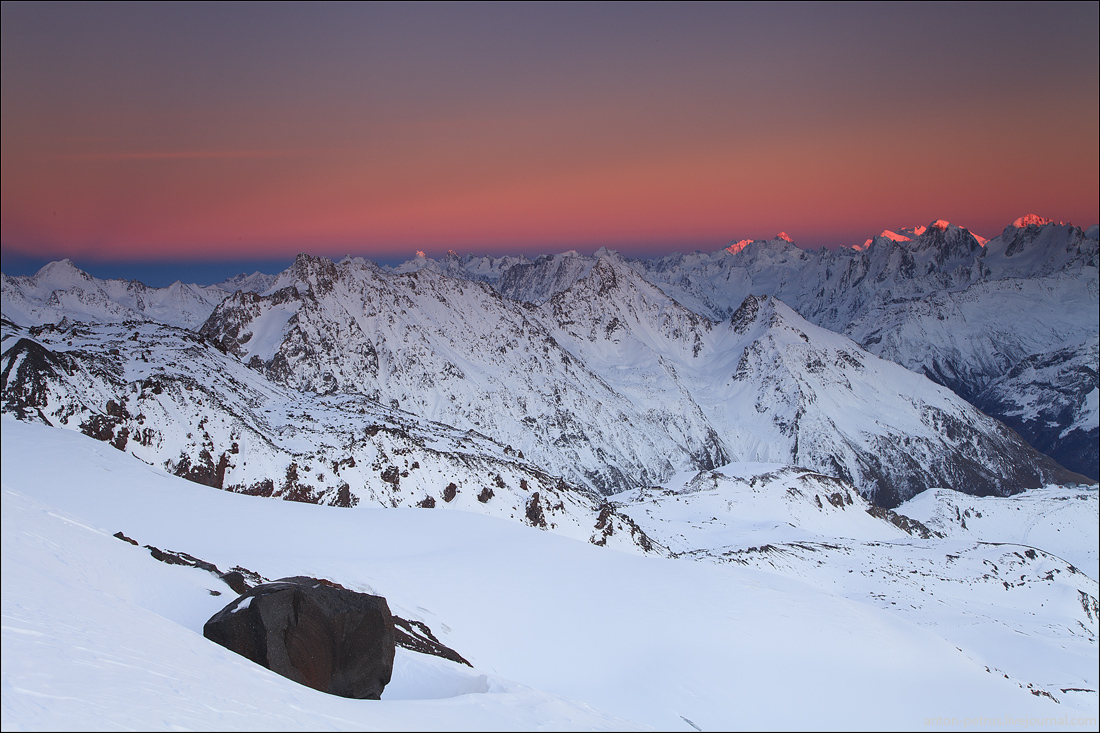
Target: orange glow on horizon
[{"x": 146, "y": 149}]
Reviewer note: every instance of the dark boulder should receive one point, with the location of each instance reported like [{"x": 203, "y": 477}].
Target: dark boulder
[{"x": 314, "y": 632}]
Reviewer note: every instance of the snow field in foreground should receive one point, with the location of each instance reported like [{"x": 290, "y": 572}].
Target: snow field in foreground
[{"x": 562, "y": 635}]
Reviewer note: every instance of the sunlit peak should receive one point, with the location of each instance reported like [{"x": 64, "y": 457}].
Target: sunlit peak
[
  {"x": 784, "y": 237},
  {"x": 738, "y": 246},
  {"x": 940, "y": 224},
  {"x": 1032, "y": 220},
  {"x": 895, "y": 236}
]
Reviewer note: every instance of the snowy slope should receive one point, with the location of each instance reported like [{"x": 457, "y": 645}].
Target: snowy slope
[
  {"x": 804, "y": 395},
  {"x": 743, "y": 505},
  {"x": 562, "y": 635},
  {"x": 1013, "y": 585},
  {"x": 1062, "y": 521},
  {"x": 168, "y": 398}
]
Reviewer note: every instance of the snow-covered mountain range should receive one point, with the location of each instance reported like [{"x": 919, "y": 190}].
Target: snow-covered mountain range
[
  {"x": 597, "y": 479},
  {"x": 596, "y": 369},
  {"x": 613, "y": 384},
  {"x": 61, "y": 290},
  {"x": 936, "y": 299}
]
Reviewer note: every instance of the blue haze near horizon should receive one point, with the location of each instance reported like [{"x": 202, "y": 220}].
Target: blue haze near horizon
[{"x": 153, "y": 274}]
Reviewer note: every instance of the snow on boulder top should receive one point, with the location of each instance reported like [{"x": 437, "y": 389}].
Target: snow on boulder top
[{"x": 1031, "y": 220}]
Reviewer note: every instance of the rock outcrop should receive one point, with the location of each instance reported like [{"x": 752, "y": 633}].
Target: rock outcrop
[{"x": 314, "y": 632}]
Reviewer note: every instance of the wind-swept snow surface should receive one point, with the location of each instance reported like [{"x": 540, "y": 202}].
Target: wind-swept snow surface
[
  {"x": 561, "y": 634},
  {"x": 1060, "y": 520}
]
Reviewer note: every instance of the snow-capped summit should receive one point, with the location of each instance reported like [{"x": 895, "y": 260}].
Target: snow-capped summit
[
  {"x": 61, "y": 290},
  {"x": 60, "y": 274},
  {"x": 894, "y": 236},
  {"x": 1032, "y": 220},
  {"x": 739, "y": 245},
  {"x": 257, "y": 282}
]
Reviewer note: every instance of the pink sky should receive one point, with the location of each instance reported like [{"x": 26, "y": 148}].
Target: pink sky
[{"x": 174, "y": 133}]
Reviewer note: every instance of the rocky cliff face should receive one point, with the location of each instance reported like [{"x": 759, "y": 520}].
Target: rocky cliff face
[{"x": 1052, "y": 400}]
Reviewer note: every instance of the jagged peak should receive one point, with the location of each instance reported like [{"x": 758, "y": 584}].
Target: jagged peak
[
  {"x": 1032, "y": 220},
  {"x": 752, "y": 309},
  {"x": 611, "y": 273},
  {"x": 890, "y": 236},
  {"x": 779, "y": 241},
  {"x": 59, "y": 269},
  {"x": 304, "y": 259},
  {"x": 938, "y": 234},
  {"x": 315, "y": 271},
  {"x": 605, "y": 272},
  {"x": 895, "y": 236},
  {"x": 770, "y": 312},
  {"x": 600, "y": 253},
  {"x": 739, "y": 245}
]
